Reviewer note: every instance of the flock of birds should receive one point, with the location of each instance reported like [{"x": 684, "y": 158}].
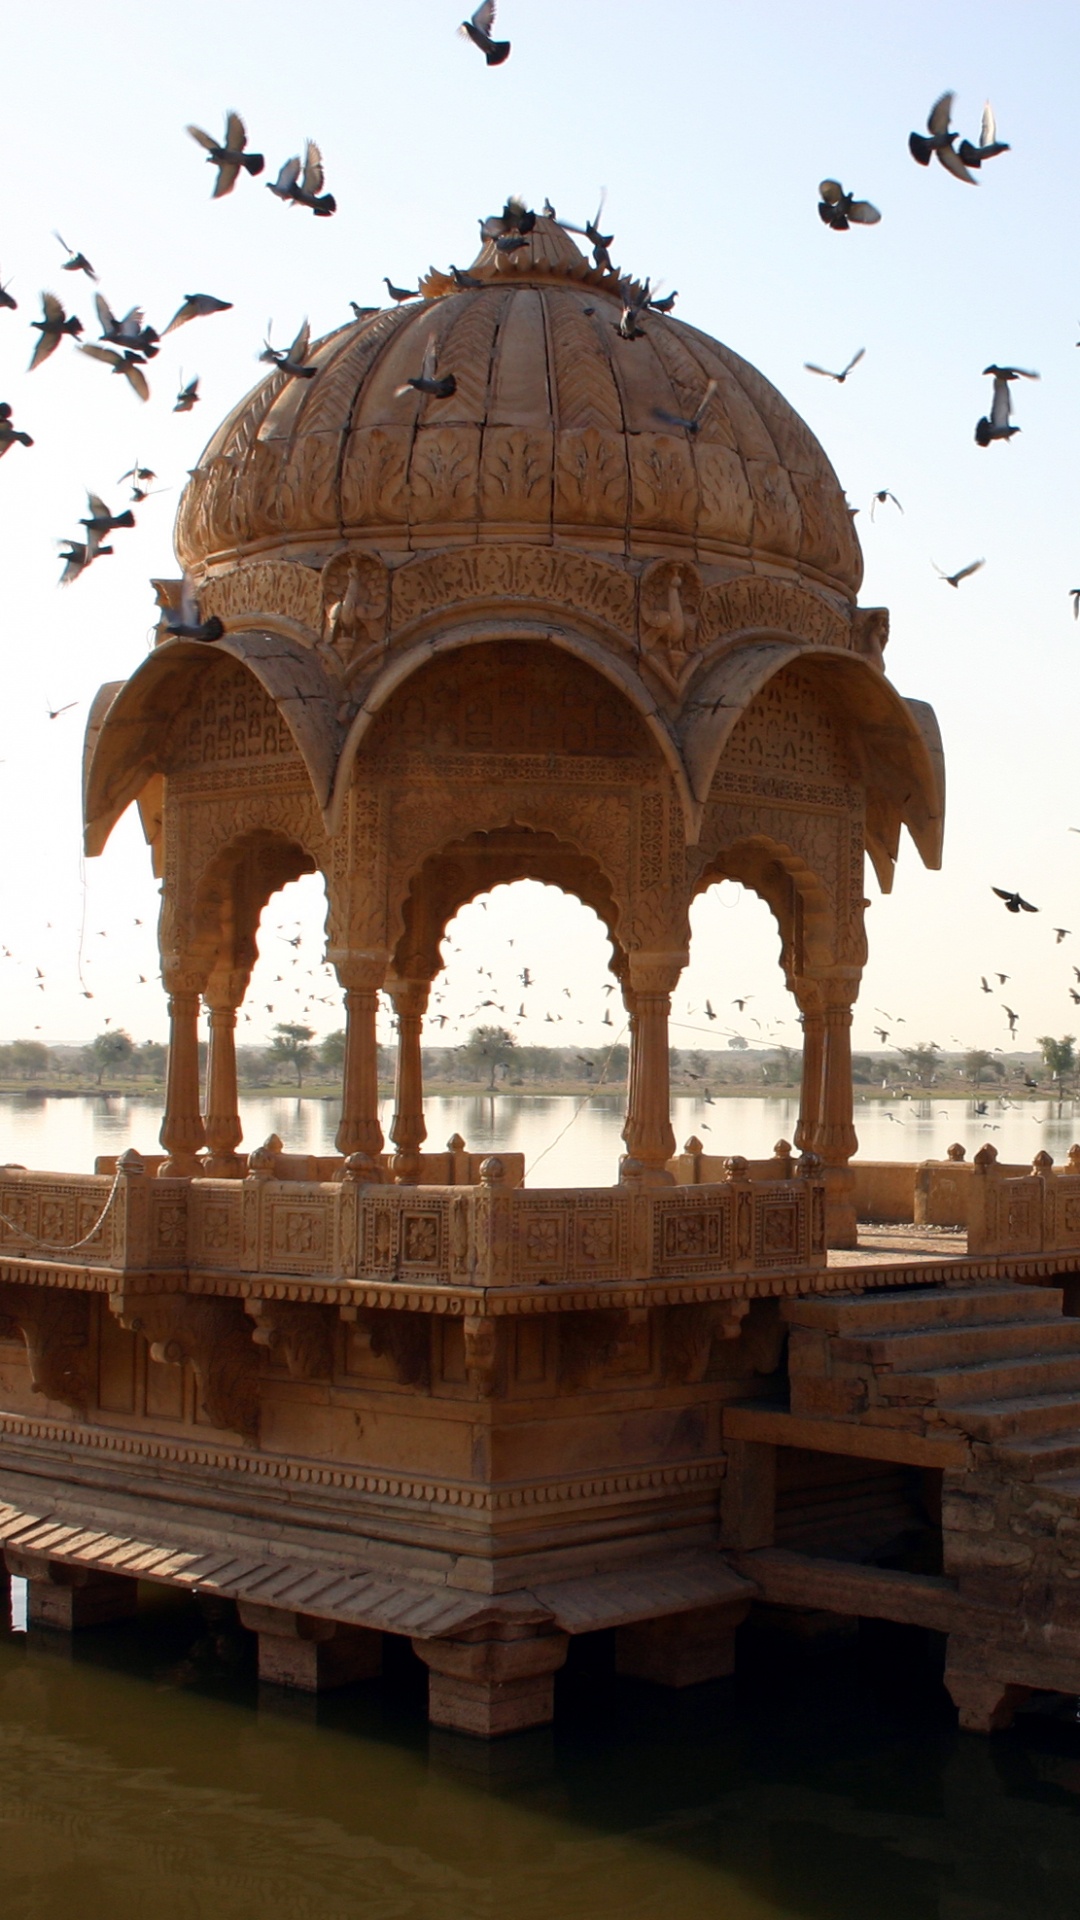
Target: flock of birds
[{"x": 128, "y": 344}]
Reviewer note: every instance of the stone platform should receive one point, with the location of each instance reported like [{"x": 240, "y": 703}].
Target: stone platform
[{"x": 489, "y": 1418}]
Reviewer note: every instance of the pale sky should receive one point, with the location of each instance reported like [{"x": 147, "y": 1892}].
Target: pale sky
[{"x": 710, "y": 128}]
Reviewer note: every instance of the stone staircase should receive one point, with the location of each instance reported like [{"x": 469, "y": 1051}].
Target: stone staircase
[
  {"x": 998, "y": 1362},
  {"x": 999, "y": 1365}
]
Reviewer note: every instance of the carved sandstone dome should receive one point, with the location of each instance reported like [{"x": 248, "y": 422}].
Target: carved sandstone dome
[{"x": 552, "y": 437}]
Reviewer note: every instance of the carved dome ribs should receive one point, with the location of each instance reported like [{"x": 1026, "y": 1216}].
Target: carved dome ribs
[{"x": 554, "y": 434}]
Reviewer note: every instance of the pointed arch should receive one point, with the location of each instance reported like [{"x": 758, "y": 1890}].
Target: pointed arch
[
  {"x": 895, "y": 742},
  {"x": 130, "y": 722}
]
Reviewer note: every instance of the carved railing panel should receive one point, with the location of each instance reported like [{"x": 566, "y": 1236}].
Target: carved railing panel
[{"x": 489, "y": 1235}]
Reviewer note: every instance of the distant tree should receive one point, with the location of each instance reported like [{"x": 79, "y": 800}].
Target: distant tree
[
  {"x": 108, "y": 1051},
  {"x": 332, "y": 1051},
  {"x": 738, "y": 1043},
  {"x": 151, "y": 1058},
  {"x": 976, "y": 1063},
  {"x": 292, "y": 1044},
  {"x": 923, "y": 1062},
  {"x": 28, "y": 1059},
  {"x": 489, "y": 1048},
  {"x": 1059, "y": 1055}
]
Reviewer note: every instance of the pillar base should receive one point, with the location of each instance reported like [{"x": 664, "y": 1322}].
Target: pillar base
[
  {"x": 635, "y": 1173},
  {"x": 984, "y": 1705},
  {"x": 65, "y": 1599},
  {"x": 309, "y": 1655},
  {"x": 841, "y": 1225},
  {"x": 489, "y": 1686},
  {"x": 181, "y": 1166},
  {"x": 681, "y": 1649},
  {"x": 222, "y": 1166}
]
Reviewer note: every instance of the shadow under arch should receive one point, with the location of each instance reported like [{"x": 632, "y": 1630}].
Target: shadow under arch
[
  {"x": 461, "y": 633},
  {"x": 791, "y": 890},
  {"x": 448, "y": 879}
]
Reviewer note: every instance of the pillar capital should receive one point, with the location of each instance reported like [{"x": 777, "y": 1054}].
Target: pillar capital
[
  {"x": 650, "y": 973},
  {"x": 225, "y": 989},
  {"x": 359, "y": 971}
]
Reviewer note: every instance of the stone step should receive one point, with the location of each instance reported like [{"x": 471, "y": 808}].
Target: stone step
[
  {"x": 923, "y": 1307},
  {"x": 1036, "y": 1457},
  {"x": 990, "y": 1380},
  {"x": 926, "y": 1348},
  {"x": 1025, "y": 1416}
]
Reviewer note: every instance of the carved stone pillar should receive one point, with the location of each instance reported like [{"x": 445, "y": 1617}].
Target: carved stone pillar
[
  {"x": 497, "y": 1679},
  {"x": 311, "y": 1655},
  {"x": 681, "y": 1649},
  {"x": 65, "y": 1598},
  {"x": 813, "y": 1025},
  {"x": 648, "y": 1134},
  {"x": 836, "y": 1140},
  {"x": 224, "y": 993},
  {"x": 182, "y": 1132},
  {"x": 359, "y": 1131},
  {"x": 407, "y": 1130}
]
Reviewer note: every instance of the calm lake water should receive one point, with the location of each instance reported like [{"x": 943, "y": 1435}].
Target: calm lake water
[
  {"x": 566, "y": 1141},
  {"x": 143, "y": 1774}
]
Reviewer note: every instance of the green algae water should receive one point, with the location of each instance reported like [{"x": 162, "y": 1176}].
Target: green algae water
[{"x": 144, "y": 1776}]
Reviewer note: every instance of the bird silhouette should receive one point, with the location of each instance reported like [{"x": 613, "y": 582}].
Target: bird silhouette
[
  {"x": 292, "y": 360},
  {"x": 400, "y": 293},
  {"x": 77, "y": 555},
  {"x": 478, "y": 29},
  {"x": 78, "y": 262},
  {"x": 996, "y": 425},
  {"x": 986, "y": 987},
  {"x": 100, "y": 521},
  {"x": 131, "y": 331},
  {"x": 128, "y": 365},
  {"x": 54, "y": 714},
  {"x": 197, "y": 306},
  {"x": 51, "y": 326},
  {"x": 10, "y": 434},
  {"x": 1014, "y": 902},
  {"x": 962, "y": 573},
  {"x": 880, "y": 498},
  {"x": 303, "y": 186},
  {"x": 183, "y": 623},
  {"x": 188, "y": 396},
  {"x": 840, "y": 210},
  {"x": 811, "y": 367},
  {"x": 989, "y": 144},
  {"x": 7, "y": 299},
  {"x": 1061, "y": 933},
  {"x": 1011, "y": 1016},
  {"x": 693, "y": 424},
  {"x": 426, "y": 381},
  {"x": 940, "y": 142},
  {"x": 228, "y": 156}
]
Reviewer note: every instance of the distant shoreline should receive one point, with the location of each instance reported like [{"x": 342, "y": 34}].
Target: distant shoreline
[{"x": 153, "y": 1092}]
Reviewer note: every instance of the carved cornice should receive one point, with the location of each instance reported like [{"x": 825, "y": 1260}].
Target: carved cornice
[
  {"x": 552, "y": 576},
  {"x": 435, "y": 1495}
]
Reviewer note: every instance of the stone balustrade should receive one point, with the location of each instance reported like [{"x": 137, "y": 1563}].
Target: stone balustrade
[
  {"x": 360, "y": 1227},
  {"x": 1034, "y": 1212}
]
